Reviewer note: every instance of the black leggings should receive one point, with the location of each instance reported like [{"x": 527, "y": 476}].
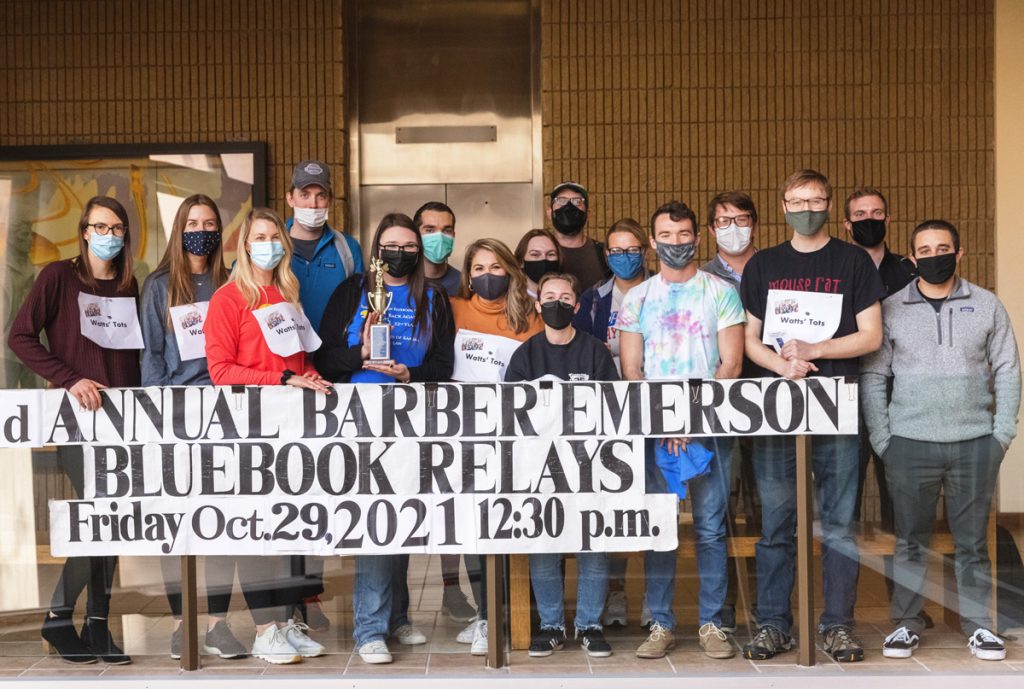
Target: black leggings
[{"x": 220, "y": 578}]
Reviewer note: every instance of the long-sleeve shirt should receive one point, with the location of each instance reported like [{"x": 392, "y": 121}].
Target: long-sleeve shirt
[
  {"x": 236, "y": 351},
  {"x": 489, "y": 318},
  {"x": 161, "y": 360},
  {"x": 52, "y": 307}
]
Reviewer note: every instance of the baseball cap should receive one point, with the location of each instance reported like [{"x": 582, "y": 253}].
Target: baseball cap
[
  {"x": 574, "y": 186},
  {"x": 311, "y": 172}
]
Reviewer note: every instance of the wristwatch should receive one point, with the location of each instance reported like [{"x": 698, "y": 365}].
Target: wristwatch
[{"x": 286, "y": 375}]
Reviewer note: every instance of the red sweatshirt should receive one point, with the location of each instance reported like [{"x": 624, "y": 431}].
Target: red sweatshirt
[{"x": 236, "y": 352}]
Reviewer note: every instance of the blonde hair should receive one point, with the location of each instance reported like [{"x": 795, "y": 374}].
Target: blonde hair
[
  {"x": 518, "y": 304},
  {"x": 283, "y": 279}
]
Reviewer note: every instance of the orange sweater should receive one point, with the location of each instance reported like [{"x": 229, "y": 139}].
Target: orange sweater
[{"x": 488, "y": 317}]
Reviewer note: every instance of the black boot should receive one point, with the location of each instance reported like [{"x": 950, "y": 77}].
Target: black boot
[
  {"x": 96, "y": 635},
  {"x": 59, "y": 634}
]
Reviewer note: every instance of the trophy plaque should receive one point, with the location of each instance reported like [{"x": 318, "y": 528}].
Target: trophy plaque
[{"x": 380, "y": 332}]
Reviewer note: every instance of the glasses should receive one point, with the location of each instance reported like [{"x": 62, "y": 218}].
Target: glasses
[
  {"x": 741, "y": 220},
  {"x": 563, "y": 201},
  {"x": 631, "y": 251},
  {"x": 396, "y": 248},
  {"x": 208, "y": 226},
  {"x": 104, "y": 229},
  {"x": 815, "y": 204}
]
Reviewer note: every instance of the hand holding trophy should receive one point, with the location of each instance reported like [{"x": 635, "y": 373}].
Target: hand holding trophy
[{"x": 380, "y": 330}]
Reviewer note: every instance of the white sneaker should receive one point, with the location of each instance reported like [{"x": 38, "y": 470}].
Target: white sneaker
[
  {"x": 295, "y": 633},
  {"x": 467, "y": 634},
  {"x": 985, "y": 645},
  {"x": 614, "y": 609},
  {"x": 645, "y": 617},
  {"x": 408, "y": 635},
  {"x": 375, "y": 652},
  {"x": 273, "y": 647},
  {"x": 479, "y": 647}
]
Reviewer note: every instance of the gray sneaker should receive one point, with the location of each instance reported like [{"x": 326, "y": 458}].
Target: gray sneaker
[
  {"x": 221, "y": 642},
  {"x": 767, "y": 643},
  {"x": 455, "y": 605},
  {"x": 842, "y": 645}
]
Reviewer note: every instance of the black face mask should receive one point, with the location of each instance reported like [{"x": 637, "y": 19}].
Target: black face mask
[
  {"x": 398, "y": 262},
  {"x": 868, "y": 232},
  {"x": 535, "y": 270},
  {"x": 557, "y": 314},
  {"x": 936, "y": 269},
  {"x": 569, "y": 219},
  {"x": 490, "y": 286}
]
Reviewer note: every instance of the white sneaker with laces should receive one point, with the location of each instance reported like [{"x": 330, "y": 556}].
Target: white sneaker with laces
[
  {"x": 295, "y": 634},
  {"x": 375, "y": 652},
  {"x": 408, "y": 635},
  {"x": 467, "y": 634},
  {"x": 985, "y": 645},
  {"x": 901, "y": 643},
  {"x": 479, "y": 647},
  {"x": 273, "y": 647},
  {"x": 614, "y": 609}
]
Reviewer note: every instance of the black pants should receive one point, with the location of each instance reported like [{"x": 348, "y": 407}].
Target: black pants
[{"x": 220, "y": 578}]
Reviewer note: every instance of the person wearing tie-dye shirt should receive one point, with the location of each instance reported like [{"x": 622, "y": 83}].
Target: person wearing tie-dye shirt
[{"x": 680, "y": 324}]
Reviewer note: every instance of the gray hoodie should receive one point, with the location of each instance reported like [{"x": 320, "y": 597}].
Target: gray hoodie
[{"x": 955, "y": 373}]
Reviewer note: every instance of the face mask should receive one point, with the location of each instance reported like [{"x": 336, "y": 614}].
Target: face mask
[
  {"x": 437, "y": 246},
  {"x": 569, "y": 219},
  {"x": 936, "y": 269},
  {"x": 490, "y": 286},
  {"x": 868, "y": 232},
  {"x": 266, "y": 255},
  {"x": 557, "y": 314},
  {"x": 676, "y": 255},
  {"x": 626, "y": 266},
  {"x": 806, "y": 222},
  {"x": 313, "y": 218},
  {"x": 734, "y": 239},
  {"x": 535, "y": 270},
  {"x": 399, "y": 263},
  {"x": 105, "y": 247},
  {"x": 200, "y": 243}
]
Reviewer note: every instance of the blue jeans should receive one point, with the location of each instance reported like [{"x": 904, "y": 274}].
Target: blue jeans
[
  {"x": 380, "y": 596},
  {"x": 709, "y": 495},
  {"x": 835, "y": 461},
  {"x": 591, "y": 587}
]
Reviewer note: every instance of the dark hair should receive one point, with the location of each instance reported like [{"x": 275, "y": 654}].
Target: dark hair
[
  {"x": 524, "y": 242},
  {"x": 860, "y": 193},
  {"x": 935, "y": 225},
  {"x": 739, "y": 199},
  {"x": 123, "y": 262},
  {"x": 801, "y": 178},
  {"x": 676, "y": 210},
  {"x": 417, "y": 218},
  {"x": 417, "y": 279}
]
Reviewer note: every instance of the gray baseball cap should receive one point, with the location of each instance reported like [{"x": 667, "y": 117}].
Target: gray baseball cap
[
  {"x": 575, "y": 186},
  {"x": 310, "y": 172}
]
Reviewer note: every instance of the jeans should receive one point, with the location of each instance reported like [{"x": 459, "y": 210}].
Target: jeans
[
  {"x": 709, "y": 495},
  {"x": 380, "y": 596},
  {"x": 835, "y": 460},
  {"x": 966, "y": 471},
  {"x": 591, "y": 587}
]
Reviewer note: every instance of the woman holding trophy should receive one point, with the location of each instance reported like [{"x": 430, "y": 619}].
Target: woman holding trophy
[{"x": 386, "y": 326}]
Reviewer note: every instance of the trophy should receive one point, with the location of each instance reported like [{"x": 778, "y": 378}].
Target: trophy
[{"x": 380, "y": 332}]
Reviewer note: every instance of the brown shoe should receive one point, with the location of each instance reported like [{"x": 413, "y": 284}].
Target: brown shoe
[
  {"x": 714, "y": 642},
  {"x": 658, "y": 642}
]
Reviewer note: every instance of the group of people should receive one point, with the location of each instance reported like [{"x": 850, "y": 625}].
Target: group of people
[{"x": 937, "y": 357}]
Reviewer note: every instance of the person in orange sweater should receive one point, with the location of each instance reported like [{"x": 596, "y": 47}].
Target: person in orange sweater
[{"x": 257, "y": 334}]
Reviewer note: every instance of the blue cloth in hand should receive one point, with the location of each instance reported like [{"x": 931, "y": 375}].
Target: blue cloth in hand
[{"x": 678, "y": 469}]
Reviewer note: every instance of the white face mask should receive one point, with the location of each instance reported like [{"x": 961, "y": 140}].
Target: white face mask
[
  {"x": 311, "y": 217},
  {"x": 734, "y": 240}
]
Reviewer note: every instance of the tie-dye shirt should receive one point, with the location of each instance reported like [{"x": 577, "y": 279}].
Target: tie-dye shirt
[{"x": 680, "y": 323}]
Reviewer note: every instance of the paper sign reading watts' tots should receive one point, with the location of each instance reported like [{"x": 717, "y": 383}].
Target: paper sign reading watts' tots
[{"x": 806, "y": 316}]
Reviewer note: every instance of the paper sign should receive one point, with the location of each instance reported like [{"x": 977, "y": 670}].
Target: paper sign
[{"x": 110, "y": 322}]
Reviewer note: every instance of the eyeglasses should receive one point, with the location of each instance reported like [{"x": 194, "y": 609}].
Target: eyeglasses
[
  {"x": 104, "y": 229},
  {"x": 563, "y": 201},
  {"x": 815, "y": 204},
  {"x": 741, "y": 220},
  {"x": 208, "y": 225},
  {"x": 395, "y": 248},
  {"x": 632, "y": 251}
]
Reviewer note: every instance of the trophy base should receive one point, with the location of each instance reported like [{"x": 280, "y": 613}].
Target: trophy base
[{"x": 380, "y": 362}]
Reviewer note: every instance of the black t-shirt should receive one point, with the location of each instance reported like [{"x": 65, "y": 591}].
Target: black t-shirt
[
  {"x": 584, "y": 358},
  {"x": 836, "y": 268},
  {"x": 586, "y": 263},
  {"x": 936, "y": 303},
  {"x": 305, "y": 248},
  {"x": 895, "y": 272}
]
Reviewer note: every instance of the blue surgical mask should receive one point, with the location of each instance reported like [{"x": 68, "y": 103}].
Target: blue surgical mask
[
  {"x": 105, "y": 247},
  {"x": 266, "y": 255},
  {"x": 626, "y": 266},
  {"x": 437, "y": 246}
]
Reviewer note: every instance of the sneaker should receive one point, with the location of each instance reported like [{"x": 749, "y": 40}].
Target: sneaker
[
  {"x": 479, "y": 647},
  {"x": 714, "y": 642},
  {"x": 176, "y": 639},
  {"x": 273, "y": 647},
  {"x": 593, "y": 642},
  {"x": 645, "y": 617},
  {"x": 767, "y": 643},
  {"x": 375, "y": 652},
  {"x": 658, "y": 642},
  {"x": 546, "y": 642},
  {"x": 313, "y": 614},
  {"x": 295, "y": 634},
  {"x": 455, "y": 605},
  {"x": 614, "y": 609},
  {"x": 900, "y": 644},
  {"x": 466, "y": 635},
  {"x": 985, "y": 645},
  {"x": 408, "y": 635},
  {"x": 842, "y": 645},
  {"x": 221, "y": 642}
]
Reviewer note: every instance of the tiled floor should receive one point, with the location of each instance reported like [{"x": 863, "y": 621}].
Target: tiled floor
[{"x": 143, "y": 622}]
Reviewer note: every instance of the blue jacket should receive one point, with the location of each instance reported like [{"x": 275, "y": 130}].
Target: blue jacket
[
  {"x": 337, "y": 256},
  {"x": 596, "y": 309}
]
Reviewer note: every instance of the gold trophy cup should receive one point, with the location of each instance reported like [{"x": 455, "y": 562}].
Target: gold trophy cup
[{"x": 380, "y": 332}]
